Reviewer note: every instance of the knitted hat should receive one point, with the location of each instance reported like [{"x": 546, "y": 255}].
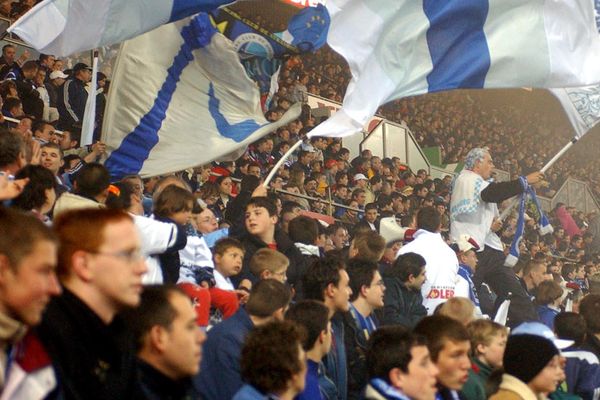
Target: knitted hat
[{"x": 527, "y": 355}]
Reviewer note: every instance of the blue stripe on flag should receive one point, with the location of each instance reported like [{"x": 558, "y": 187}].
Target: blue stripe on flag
[
  {"x": 236, "y": 132},
  {"x": 136, "y": 147},
  {"x": 457, "y": 43},
  {"x": 185, "y": 8}
]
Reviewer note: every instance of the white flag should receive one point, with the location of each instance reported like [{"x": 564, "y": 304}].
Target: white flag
[
  {"x": 399, "y": 48},
  {"x": 64, "y": 27},
  {"x": 181, "y": 98}
]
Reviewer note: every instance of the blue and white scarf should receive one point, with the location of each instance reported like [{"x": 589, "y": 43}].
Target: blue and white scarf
[{"x": 545, "y": 227}]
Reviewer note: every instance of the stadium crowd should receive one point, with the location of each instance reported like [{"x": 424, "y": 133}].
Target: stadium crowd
[{"x": 344, "y": 279}]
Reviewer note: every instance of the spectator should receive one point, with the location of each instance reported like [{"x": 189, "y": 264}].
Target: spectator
[
  {"x": 448, "y": 342},
  {"x": 367, "y": 246},
  {"x": 473, "y": 211},
  {"x": 441, "y": 266},
  {"x": 403, "y": 302},
  {"x": 367, "y": 296},
  {"x": 460, "y": 309},
  {"x": 589, "y": 308},
  {"x": 101, "y": 268},
  {"x": 273, "y": 362},
  {"x": 313, "y": 316},
  {"x": 532, "y": 367},
  {"x": 220, "y": 375},
  {"x": 269, "y": 264},
  {"x": 168, "y": 343},
  {"x": 488, "y": 341},
  {"x": 39, "y": 195},
  {"x": 261, "y": 220},
  {"x": 399, "y": 366},
  {"x": 328, "y": 281},
  {"x": 548, "y": 298},
  {"x": 582, "y": 368},
  {"x": 28, "y": 256},
  {"x": 72, "y": 96},
  {"x": 90, "y": 190}
]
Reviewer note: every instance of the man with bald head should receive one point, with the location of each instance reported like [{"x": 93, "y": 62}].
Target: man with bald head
[{"x": 474, "y": 212}]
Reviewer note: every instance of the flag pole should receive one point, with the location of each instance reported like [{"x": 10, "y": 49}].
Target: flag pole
[
  {"x": 89, "y": 115},
  {"x": 280, "y": 163},
  {"x": 545, "y": 168}
]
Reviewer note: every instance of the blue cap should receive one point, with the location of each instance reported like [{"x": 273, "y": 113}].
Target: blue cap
[{"x": 539, "y": 329}]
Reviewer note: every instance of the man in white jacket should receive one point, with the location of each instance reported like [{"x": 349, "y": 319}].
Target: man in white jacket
[{"x": 441, "y": 268}]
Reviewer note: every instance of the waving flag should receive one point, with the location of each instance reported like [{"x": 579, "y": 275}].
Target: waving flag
[
  {"x": 261, "y": 51},
  {"x": 582, "y": 105},
  {"x": 64, "y": 27},
  {"x": 180, "y": 98},
  {"x": 398, "y": 48}
]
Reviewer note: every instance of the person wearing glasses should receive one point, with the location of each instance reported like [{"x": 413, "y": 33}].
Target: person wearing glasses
[{"x": 100, "y": 267}]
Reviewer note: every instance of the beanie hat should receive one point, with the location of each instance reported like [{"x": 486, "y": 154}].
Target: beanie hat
[{"x": 527, "y": 355}]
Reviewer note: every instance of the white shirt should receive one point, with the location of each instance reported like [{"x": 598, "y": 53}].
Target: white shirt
[{"x": 222, "y": 282}]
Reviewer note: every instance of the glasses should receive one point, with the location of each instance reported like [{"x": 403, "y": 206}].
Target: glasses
[{"x": 129, "y": 256}]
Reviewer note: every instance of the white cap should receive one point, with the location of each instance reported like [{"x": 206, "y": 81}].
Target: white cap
[
  {"x": 359, "y": 177},
  {"x": 539, "y": 329},
  {"x": 466, "y": 243}
]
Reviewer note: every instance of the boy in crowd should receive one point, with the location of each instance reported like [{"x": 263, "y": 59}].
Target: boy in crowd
[
  {"x": 360, "y": 323},
  {"x": 273, "y": 363},
  {"x": 220, "y": 376},
  {"x": 327, "y": 280},
  {"x": 28, "y": 257},
  {"x": 228, "y": 256},
  {"x": 370, "y": 220},
  {"x": 399, "y": 366},
  {"x": 261, "y": 232},
  {"x": 269, "y": 264},
  {"x": 466, "y": 251},
  {"x": 402, "y": 298},
  {"x": 448, "y": 342},
  {"x": 313, "y": 316},
  {"x": 368, "y": 246},
  {"x": 488, "y": 341},
  {"x": 582, "y": 367}
]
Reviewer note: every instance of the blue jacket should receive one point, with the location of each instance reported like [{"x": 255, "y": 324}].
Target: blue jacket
[
  {"x": 335, "y": 361},
  {"x": 248, "y": 392},
  {"x": 547, "y": 315},
  {"x": 583, "y": 373},
  {"x": 72, "y": 97},
  {"x": 220, "y": 377},
  {"x": 467, "y": 274},
  {"x": 311, "y": 387}
]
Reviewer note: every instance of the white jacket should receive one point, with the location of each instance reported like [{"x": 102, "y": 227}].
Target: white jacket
[{"x": 441, "y": 268}]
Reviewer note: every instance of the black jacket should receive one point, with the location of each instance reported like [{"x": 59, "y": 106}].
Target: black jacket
[
  {"x": 355, "y": 341},
  {"x": 170, "y": 262},
  {"x": 403, "y": 306},
  {"x": 151, "y": 384},
  {"x": 72, "y": 97},
  {"x": 92, "y": 360},
  {"x": 251, "y": 243}
]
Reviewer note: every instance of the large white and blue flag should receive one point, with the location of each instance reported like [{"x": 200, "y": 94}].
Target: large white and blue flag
[
  {"x": 399, "y": 48},
  {"x": 582, "y": 105},
  {"x": 181, "y": 98},
  {"x": 64, "y": 27}
]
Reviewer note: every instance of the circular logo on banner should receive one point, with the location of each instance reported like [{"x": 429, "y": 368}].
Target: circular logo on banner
[{"x": 250, "y": 45}]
